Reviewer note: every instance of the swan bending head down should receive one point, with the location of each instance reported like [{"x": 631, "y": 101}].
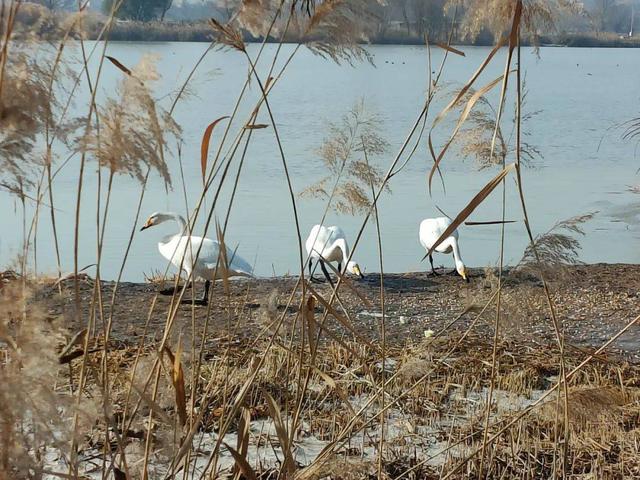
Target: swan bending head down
[
  {"x": 354, "y": 269},
  {"x": 431, "y": 229},
  {"x": 157, "y": 218}
]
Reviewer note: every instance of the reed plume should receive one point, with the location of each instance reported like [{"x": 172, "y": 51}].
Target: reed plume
[
  {"x": 133, "y": 129},
  {"x": 342, "y": 153}
]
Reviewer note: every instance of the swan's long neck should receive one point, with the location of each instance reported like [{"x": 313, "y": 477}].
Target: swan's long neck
[
  {"x": 342, "y": 245},
  {"x": 456, "y": 250},
  {"x": 182, "y": 224}
]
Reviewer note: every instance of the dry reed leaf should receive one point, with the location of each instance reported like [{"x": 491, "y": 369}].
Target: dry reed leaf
[
  {"x": 347, "y": 281},
  {"x": 204, "y": 147},
  {"x": 241, "y": 462},
  {"x": 308, "y": 314},
  {"x": 155, "y": 408},
  {"x": 223, "y": 261},
  {"x": 244, "y": 426},
  {"x": 449, "y": 48},
  {"x": 442, "y": 114},
  {"x": 469, "y": 83},
  {"x": 118, "y": 64},
  {"x": 77, "y": 339},
  {"x": 471, "y": 206},
  {"x": 255, "y": 126},
  {"x": 283, "y": 437},
  {"x": 463, "y": 117},
  {"x": 490, "y": 222},
  {"x": 343, "y": 320},
  {"x": 177, "y": 378},
  {"x": 336, "y": 388}
]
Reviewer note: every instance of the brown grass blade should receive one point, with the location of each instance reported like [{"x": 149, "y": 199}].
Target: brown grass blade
[
  {"x": 473, "y": 204},
  {"x": 309, "y": 315},
  {"x": 243, "y": 439},
  {"x": 344, "y": 280},
  {"x": 463, "y": 117},
  {"x": 77, "y": 339},
  {"x": 204, "y": 148},
  {"x": 490, "y": 222},
  {"x": 343, "y": 320},
  {"x": 336, "y": 388},
  {"x": 515, "y": 26},
  {"x": 449, "y": 48},
  {"x": 120, "y": 66},
  {"x": 177, "y": 378},
  {"x": 469, "y": 84},
  {"x": 242, "y": 464},
  {"x": 268, "y": 83},
  {"x": 274, "y": 411},
  {"x": 155, "y": 408},
  {"x": 223, "y": 261},
  {"x": 460, "y": 94},
  {"x": 255, "y": 126}
]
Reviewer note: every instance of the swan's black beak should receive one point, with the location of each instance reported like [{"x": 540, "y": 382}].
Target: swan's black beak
[
  {"x": 361, "y": 276},
  {"x": 148, "y": 224}
]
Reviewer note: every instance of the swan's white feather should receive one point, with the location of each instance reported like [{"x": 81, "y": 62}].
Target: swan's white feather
[
  {"x": 431, "y": 229},
  {"x": 327, "y": 242},
  {"x": 182, "y": 250}
]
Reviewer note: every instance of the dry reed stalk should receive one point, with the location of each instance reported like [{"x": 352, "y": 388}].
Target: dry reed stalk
[
  {"x": 539, "y": 401},
  {"x": 303, "y": 373},
  {"x": 172, "y": 315},
  {"x": 513, "y": 36},
  {"x": 383, "y": 331}
]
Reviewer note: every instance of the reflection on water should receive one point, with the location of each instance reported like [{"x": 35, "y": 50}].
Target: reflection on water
[{"x": 582, "y": 93}]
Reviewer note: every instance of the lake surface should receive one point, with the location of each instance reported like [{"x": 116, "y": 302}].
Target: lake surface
[{"x": 583, "y": 96}]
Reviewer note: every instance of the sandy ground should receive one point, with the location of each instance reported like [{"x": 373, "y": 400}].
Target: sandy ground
[
  {"x": 592, "y": 302},
  {"x": 441, "y": 384}
]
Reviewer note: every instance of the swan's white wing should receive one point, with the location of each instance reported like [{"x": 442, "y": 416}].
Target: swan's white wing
[
  {"x": 209, "y": 258},
  {"x": 336, "y": 233},
  {"x": 191, "y": 247},
  {"x": 237, "y": 263},
  {"x": 317, "y": 241},
  {"x": 432, "y": 228},
  {"x": 322, "y": 242}
]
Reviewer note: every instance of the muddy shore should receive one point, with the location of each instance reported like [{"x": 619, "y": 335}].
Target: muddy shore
[
  {"x": 592, "y": 303},
  {"x": 440, "y": 365}
]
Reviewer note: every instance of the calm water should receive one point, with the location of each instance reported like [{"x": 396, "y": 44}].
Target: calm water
[{"x": 582, "y": 94}]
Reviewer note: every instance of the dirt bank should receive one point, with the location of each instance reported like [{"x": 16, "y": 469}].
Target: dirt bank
[{"x": 592, "y": 302}]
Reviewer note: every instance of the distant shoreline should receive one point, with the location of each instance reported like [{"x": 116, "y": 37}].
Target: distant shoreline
[
  {"x": 52, "y": 26},
  {"x": 201, "y": 32}
]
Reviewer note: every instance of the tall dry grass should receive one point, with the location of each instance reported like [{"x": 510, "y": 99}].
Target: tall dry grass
[{"x": 291, "y": 387}]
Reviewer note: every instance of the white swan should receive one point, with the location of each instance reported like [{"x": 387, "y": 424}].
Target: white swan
[
  {"x": 182, "y": 249},
  {"x": 430, "y": 230},
  {"x": 329, "y": 244}
]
